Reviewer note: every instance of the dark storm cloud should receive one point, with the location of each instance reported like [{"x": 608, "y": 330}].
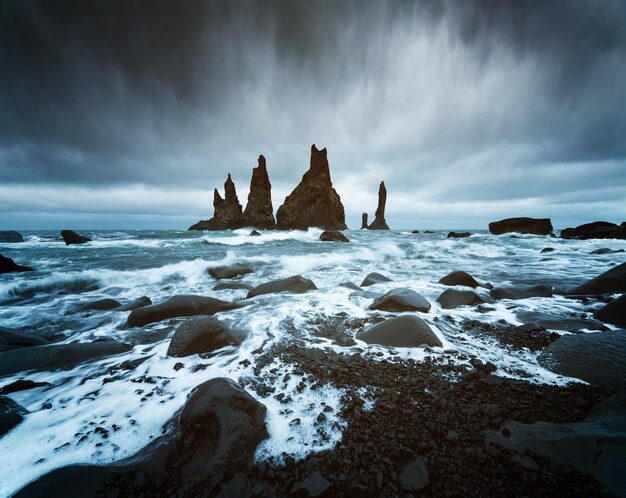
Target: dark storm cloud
[{"x": 470, "y": 101}]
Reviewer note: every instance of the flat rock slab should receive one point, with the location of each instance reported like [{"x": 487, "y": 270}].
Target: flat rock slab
[
  {"x": 399, "y": 300},
  {"x": 614, "y": 312},
  {"x": 525, "y": 292},
  {"x": 296, "y": 284},
  {"x": 612, "y": 281},
  {"x": 183, "y": 305},
  {"x": 57, "y": 356},
  {"x": 462, "y": 278},
  {"x": 402, "y": 331},
  {"x": 559, "y": 323},
  {"x": 595, "y": 357},
  {"x": 374, "y": 278},
  {"x": 232, "y": 271},
  {"x": 453, "y": 298},
  {"x": 201, "y": 334},
  {"x": 536, "y": 226}
]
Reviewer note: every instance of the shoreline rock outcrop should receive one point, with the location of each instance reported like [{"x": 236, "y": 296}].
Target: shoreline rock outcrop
[
  {"x": 259, "y": 212},
  {"x": 379, "y": 222},
  {"x": 533, "y": 226},
  {"x": 596, "y": 230},
  {"x": 314, "y": 202},
  {"x": 10, "y": 236}
]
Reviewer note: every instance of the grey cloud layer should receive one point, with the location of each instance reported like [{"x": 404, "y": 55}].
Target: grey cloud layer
[{"x": 447, "y": 100}]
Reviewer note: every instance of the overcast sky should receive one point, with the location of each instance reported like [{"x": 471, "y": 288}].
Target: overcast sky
[{"x": 126, "y": 114}]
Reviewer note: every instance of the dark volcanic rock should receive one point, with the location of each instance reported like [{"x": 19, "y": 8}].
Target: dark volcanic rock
[
  {"x": 416, "y": 232},
  {"x": 295, "y": 284},
  {"x": 314, "y": 202},
  {"x": 529, "y": 335},
  {"x": 10, "y": 236},
  {"x": 140, "y": 302},
  {"x": 232, "y": 286},
  {"x": 453, "y": 298},
  {"x": 536, "y": 226},
  {"x": 559, "y": 323},
  {"x": 401, "y": 299},
  {"x": 614, "y": 312},
  {"x": 259, "y": 211},
  {"x": 70, "y": 237},
  {"x": 19, "y": 338},
  {"x": 7, "y": 265},
  {"x": 606, "y": 250},
  {"x": 513, "y": 292},
  {"x": 227, "y": 212},
  {"x": 221, "y": 272},
  {"x": 374, "y": 278},
  {"x": 254, "y": 233},
  {"x": 99, "y": 305},
  {"x": 183, "y": 305},
  {"x": 546, "y": 249},
  {"x": 333, "y": 236},
  {"x": 364, "y": 221},
  {"x": 314, "y": 485},
  {"x": 201, "y": 334},
  {"x": 401, "y": 331},
  {"x": 215, "y": 434},
  {"x": 11, "y": 414},
  {"x": 379, "y": 222},
  {"x": 414, "y": 476},
  {"x": 596, "y": 230},
  {"x": 21, "y": 385},
  {"x": 55, "y": 356},
  {"x": 610, "y": 282},
  {"x": 462, "y": 278},
  {"x": 458, "y": 235}
]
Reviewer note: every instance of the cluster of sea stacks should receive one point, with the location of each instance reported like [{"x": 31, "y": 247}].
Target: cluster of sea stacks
[{"x": 313, "y": 203}]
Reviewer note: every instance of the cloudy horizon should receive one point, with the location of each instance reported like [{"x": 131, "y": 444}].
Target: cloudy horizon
[{"x": 128, "y": 114}]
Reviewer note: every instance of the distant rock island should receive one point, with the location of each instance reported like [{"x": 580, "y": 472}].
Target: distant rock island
[{"x": 379, "y": 222}]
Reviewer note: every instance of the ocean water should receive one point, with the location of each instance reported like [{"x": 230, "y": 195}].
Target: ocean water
[{"x": 125, "y": 265}]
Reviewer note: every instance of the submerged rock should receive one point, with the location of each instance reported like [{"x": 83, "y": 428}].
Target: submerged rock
[
  {"x": 259, "y": 212},
  {"x": 11, "y": 338},
  {"x": 364, "y": 221},
  {"x": 379, "y": 222},
  {"x": 547, "y": 249},
  {"x": 462, "y": 278},
  {"x": 99, "y": 305},
  {"x": 70, "y": 237},
  {"x": 374, "y": 278},
  {"x": 535, "y": 226},
  {"x": 140, "y": 302},
  {"x": 333, "y": 236},
  {"x": 11, "y": 414},
  {"x": 614, "y": 312},
  {"x": 610, "y": 282},
  {"x": 7, "y": 265},
  {"x": 231, "y": 271},
  {"x": 314, "y": 202},
  {"x": 453, "y": 298},
  {"x": 458, "y": 235},
  {"x": 401, "y": 331},
  {"x": 595, "y": 230},
  {"x": 295, "y": 284},
  {"x": 401, "y": 299},
  {"x": 10, "y": 236},
  {"x": 526, "y": 292},
  {"x": 606, "y": 250},
  {"x": 201, "y": 334},
  {"x": 183, "y": 305}
]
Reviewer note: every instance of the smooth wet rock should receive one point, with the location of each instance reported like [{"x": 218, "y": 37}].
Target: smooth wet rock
[
  {"x": 379, "y": 222},
  {"x": 535, "y": 226},
  {"x": 11, "y": 414},
  {"x": 402, "y": 299},
  {"x": 333, "y": 236},
  {"x": 99, "y": 305},
  {"x": 606, "y": 250},
  {"x": 453, "y": 298},
  {"x": 313, "y": 485},
  {"x": 183, "y": 305},
  {"x": 21, "y": 385},
  {"x": 201, "y": 334},
  {"x": 547, "y": 249},
  {"x": 374, "y": 278},
  {"x": 231, "y": 271},
  {"x": 254, "y": 233},
  {"x": 17, "y": 338},
  {"x": 414, "y": 476},
  {"x": 595, "y": 357},
  {"x": 259, "y": 211},
  {"x": 57, "y": 356},
  {"x": 140, "y": 302},
  {"x": 458, "y": 235},
  {"x": 614, "y": 312},
  {"x": 462, "y": 278},
  {"x": 295, "y": 284},
  {"x": 216, "y": 432},
  {"x": 314, "y": 202},
  {"x": 71, "y": 237},
  {"x": 7, "y": 265},
  {"x": 10, "y": 236},
  {"x": 401, "y": 331},
  {"x": 415, "y": 232},
  {"x": 350, "y": 285},
  {"x": 521, "y": 292},
  {"x": 232, "y": 286},
  {"x": 595, "y": 230},
  {"x": 610, "y": 282},
  {"x": 559, "y": 323},
  {"x": 364, "y": 221}
]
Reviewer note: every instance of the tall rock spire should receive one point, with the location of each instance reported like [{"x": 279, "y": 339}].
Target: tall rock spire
[
  {"x": 226, "y": 211},
  {"x": 259, "y": 212},
  {"x": 379, "y": 222}
]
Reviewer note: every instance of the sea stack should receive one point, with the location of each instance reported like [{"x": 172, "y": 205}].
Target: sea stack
[
  {"x": 364, "y": 221},
  {"x": 227, "y": 212},
  {"x": 314, "y": 202},
  {"x": 379, "y": 222},
  {"x": 259, "y": 212}
]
